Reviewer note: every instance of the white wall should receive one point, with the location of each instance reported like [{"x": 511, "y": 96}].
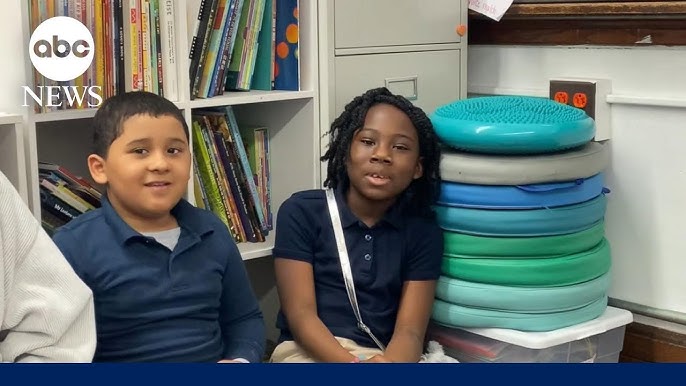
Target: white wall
[
  {"x": 13, "y": 68},
  {"x": 647, "y": 175}
]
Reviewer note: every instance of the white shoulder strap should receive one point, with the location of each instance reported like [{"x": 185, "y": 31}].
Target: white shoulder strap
[{"x": 345, "y": 265}]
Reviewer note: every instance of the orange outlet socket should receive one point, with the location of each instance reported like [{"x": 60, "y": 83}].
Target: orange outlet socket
[
  {"x": 579, "y": 94},
  {"x": 589, "y": 95}
]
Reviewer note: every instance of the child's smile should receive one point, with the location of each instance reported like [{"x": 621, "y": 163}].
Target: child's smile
[
  {"x": 158, "y": 186},
  {"x": 378, "y": 179}
]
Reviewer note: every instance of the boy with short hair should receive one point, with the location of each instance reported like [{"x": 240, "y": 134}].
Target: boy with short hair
[{"x": 168, "y": 280}]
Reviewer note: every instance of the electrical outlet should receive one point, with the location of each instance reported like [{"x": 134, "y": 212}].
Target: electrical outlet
[
  {"x": 579, "y": 94},
  {"x": 589, "y": 95}
]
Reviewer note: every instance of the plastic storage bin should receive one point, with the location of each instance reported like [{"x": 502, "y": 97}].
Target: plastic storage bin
[{"x": 599, "y": 340}]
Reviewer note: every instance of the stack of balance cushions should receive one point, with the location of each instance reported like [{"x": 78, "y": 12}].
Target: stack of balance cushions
[{"x": 522, "y": 205}]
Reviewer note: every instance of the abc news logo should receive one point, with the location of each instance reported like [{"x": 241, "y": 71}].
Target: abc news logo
[{"x": 62, "y": 49}]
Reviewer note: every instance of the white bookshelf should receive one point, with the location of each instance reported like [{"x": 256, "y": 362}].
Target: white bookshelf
[
  {"x": 292, "y": 117},
  {"x": 12, "y": 156}
]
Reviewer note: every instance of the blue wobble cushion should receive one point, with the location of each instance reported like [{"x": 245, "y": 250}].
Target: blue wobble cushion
[
  {"x": 512, "y": 125},
  {"x": 522, "y": 222},
  {"x": 521, "y": 196}
]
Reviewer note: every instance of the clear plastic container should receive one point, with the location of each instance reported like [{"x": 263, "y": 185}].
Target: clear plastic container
[{"x": 599, "y": 340}]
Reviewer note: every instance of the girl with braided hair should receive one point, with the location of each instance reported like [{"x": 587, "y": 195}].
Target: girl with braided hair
[{"x": 383, "y": 170}]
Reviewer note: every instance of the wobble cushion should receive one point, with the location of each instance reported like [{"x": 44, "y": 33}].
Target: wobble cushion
[
  {"x": 541, "y": 247},
  {"x": 452, "y": 315},
  {"x": 521, "y": 196},
  {"x": 557, "y": 271},
  {"x": 526, "y": 222},
  {"x": 512, "y": 125},
  {"x": 521, "y": 299},
  {"x": 569, "y": 165}
]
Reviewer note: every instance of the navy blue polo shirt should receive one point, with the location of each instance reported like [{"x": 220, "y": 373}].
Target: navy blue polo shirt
[
  {"x": 192, "y": 304},
  {"x": 397, "y": 249}
]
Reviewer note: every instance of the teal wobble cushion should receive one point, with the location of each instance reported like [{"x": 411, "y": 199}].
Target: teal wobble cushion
[
  {"x": 512, "y": 125},
  {"x": 521, "y": 299},
  {"x": 452, "y": 315}
]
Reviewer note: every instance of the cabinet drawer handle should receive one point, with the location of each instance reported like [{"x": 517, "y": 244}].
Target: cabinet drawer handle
[{"x": 390, "y": 82}]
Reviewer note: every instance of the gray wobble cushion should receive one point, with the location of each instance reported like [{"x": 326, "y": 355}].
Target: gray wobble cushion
[{"x": 486, "y": 169}]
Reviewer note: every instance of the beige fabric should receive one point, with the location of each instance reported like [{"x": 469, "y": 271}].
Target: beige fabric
[
  {"x": 291, "y": 352},
  {"x": 46, "y": 311}
]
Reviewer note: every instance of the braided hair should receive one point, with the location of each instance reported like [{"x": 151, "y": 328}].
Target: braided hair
[{"x": 422, "y": 192}]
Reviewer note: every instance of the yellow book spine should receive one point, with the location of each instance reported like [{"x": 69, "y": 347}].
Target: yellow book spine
[
  {"x": 100, "y": 47},
  {"x": 145, "y": 44},
  {"x": 202, "y": 158}
]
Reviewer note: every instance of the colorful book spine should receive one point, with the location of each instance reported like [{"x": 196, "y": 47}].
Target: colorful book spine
[
  {"x": 133, "y": 62},
  {"x": 213, "y": 48},
  {"x": 227, "y": 54},
  {"x": 168, "y": 49},
  {"x": 243, "y": 158},
  {"x": 207, "y": 176},
  {"x": 286, "y": 62},
  {"x": 261, "y": 77}
]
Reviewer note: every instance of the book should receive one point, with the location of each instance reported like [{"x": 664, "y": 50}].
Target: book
[
  {"x": 168, "y": 51},
  {"x": 133, "y": 42},
  {"x": 69, "y": 177},
  {"x": 286, "y": 62},
  {"x": 214, "y": 48},
  {"x": 254, "y": 139},
  {"x": 262, "y": 73}
]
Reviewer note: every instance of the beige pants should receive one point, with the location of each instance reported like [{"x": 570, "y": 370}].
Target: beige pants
[{"x": 291, "y": 352}]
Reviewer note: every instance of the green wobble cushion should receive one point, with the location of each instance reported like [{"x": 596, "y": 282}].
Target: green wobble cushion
[
  {"x": 557, "y": 271},
  {"x": 521, "y": 299},
  {"x": 452, "y": 315},
  {"x": 470, "y": 246}
]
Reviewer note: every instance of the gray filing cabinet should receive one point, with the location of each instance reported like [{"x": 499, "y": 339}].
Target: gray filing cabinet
[{"x": 410, "y": 46}]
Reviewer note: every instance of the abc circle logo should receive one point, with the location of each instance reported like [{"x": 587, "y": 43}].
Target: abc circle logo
[{"x": 61, "y": 48}]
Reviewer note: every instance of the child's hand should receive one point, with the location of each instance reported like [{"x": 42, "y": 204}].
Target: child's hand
[
  {"x": 230, "y": 361},
  {"x": 377, "y": 359}
]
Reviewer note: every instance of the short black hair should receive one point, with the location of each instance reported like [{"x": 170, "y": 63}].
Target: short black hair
[
  {"x": 110, "y": 117},
  {"x": 422, "y": 192}
]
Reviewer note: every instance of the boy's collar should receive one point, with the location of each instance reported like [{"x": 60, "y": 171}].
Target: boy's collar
[
  {"x": 393, "y": 215},
  {"x": 183, "y": 212}
]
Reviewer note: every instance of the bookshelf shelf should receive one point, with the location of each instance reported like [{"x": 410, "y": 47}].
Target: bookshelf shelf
[
  {"x": 247, "y": 97},
  {"x": 62, "y": 115},
  {"x": 10, "y": 119},
  {"x": 250, "y": 251},
  {"x": 63, "y": 137}
]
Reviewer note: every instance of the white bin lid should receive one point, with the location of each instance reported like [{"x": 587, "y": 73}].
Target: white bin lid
[{"x": 609, "y": 320}]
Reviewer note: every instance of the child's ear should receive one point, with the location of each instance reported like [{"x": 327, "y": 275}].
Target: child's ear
[
  {"x": 418, "y": 169},
  {"x": 96, "y": 166}
]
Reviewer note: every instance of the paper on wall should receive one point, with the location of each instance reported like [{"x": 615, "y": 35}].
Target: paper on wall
[{"x": 495, "y": 9}]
